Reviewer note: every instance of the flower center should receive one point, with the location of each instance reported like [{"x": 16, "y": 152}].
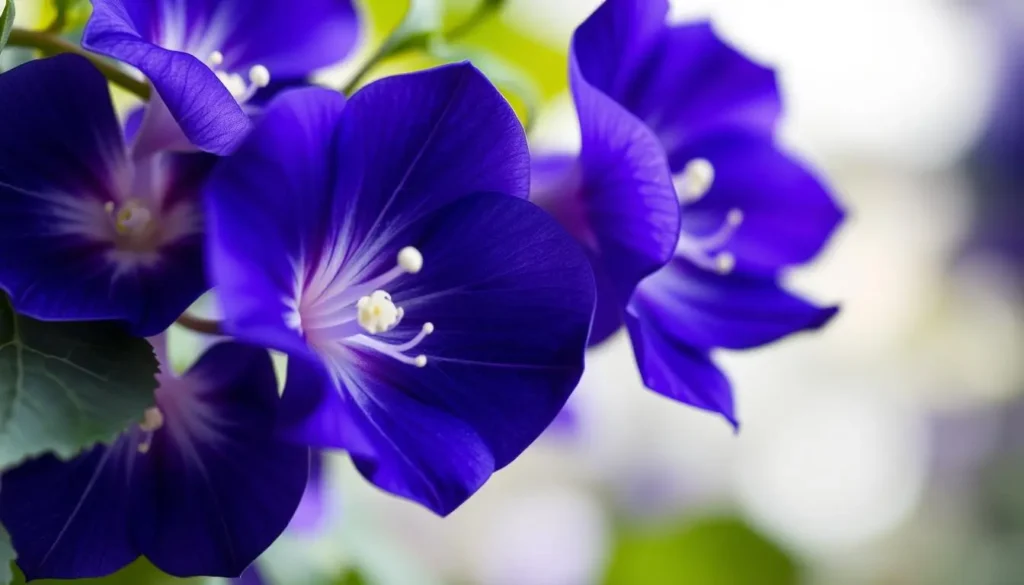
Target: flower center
[
  {"x": 355, "y": 315},
  {"x": 131, "y": 218},
  {"x": 259, "y": 77},
  {"x": 705, "y": 251}
]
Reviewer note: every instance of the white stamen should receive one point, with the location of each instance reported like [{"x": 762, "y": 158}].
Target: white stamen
[
  {"x": 377, "y": 313},
  {"x": 216, "y": 59},
  {"x": 259, "y": 77},
  {"x": 705, "y": 251},
  {"x": 357, "y": 314},
  {"x": 152, "y": 421},
  {"x": 410, "y": 259},
  {"x": 696, "y": 180}
]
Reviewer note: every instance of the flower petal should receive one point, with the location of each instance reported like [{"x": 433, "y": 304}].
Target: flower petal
[
  {"x": 684, "y": 82},
  {"x": 220, "y": 488},
  {"x": 62, "y": 159},
  {"x": 705, "y": 310},
  {"x": 413, "y": 143},
  {"x": 311, "y": 514},
  {"x": 788, "y": 214},
  {"x": 677, "y": 370},
  {"x": 617, "y": 200},
  {"x": 200, "y": 103},
  {"x": 511, "y": 324},
  {"x": 70, "y": 519},
  {"x": 266, "y": 207}
]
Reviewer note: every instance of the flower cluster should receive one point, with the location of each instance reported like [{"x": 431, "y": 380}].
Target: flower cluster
[{"x": 433, "y": 285}]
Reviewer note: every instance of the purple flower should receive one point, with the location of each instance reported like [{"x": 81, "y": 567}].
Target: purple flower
[
  {"x": 746, "y": 209},
  {"x": 89, "y": 232},
  {"x": 435, "y": 319},
  {"x": 207, "y": 58},
  {"x": 200, "y": 487}
]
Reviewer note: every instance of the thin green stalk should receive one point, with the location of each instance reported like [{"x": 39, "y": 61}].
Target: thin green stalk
[
  {"x": 51, "y": 44},
  {"x": 395, "y": 44}
]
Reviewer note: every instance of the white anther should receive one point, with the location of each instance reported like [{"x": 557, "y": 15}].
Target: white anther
[
  {"x": 428, "y": 328},
  {"x": 216, "y": 59},
  {"x": 377, "y": 313},
  {"x": 734, "y": 217},
  {"x": 696, "y": 180},
  {"x": 259, "y": 76},
  {"x": 701, "y": 250},
  {"x": 420, "y": 361},
  {"x": 410, "y": 259},
  {"x": 152, "y": 420},
  {"x": 725, "y": 262}
]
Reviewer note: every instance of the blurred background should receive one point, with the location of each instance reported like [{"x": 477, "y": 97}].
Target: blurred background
[{"x": 886, "y": 450}]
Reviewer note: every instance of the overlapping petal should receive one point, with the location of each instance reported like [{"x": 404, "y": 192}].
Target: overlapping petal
[
  {"x": 617, "y": 199},
  {"x": 435, "y": 160},
  {"x": 734, "y": 311},
  {"x": 171, "y": 42},
  {"x": 62, "y": 162},
  {"x": 683, "y": 81}
]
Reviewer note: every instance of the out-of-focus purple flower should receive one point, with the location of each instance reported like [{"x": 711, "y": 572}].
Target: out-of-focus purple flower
[
  {"x": 435, "y": 319},
  {"x": 654, "y": 101},
  {"x": 200, "y": 487},
  {"x": 207, "y": 58},
  {"x": 89, "y": 232}
]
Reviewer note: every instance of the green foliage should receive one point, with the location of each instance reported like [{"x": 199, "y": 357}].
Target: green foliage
[
  {"x": 67, "y": 386},
  {"x": 352, "y": 577},
  {"x": 7, "y": 557},
  {"x": 713, "y": 551},
  {"x": 6, "y": 22},
  {"x": 141, "y": 572}
]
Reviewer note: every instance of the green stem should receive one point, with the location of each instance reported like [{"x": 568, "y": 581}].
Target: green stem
[
  {"x": 394, "y": 46},
  {"x": 200, "y": 325},
  {"x": 51, "y": 44}
]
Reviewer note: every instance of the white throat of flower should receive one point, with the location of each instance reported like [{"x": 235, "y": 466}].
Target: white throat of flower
[
  {"x": 706, "y": 251},
  {"x": 356, "y": 315},
  {"x": 242, "y": 91}
]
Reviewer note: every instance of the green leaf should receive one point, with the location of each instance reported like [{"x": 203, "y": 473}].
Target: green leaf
[
  {"x": 722, "y": 551},
  {"x": 6, "y": 22},
  {"x": 7, "y": 557},
  {"x": 66, "y": 386}
]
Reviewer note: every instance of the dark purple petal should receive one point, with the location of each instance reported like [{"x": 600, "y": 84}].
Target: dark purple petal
[
  {"x": 511, "y": 322},
  {"x": 62, "y": 159},
  {"x": 220, "y": 488},
  {"x": 413, "y": 143},
  {"x": 788, "y": 214},
  {"x": 684, "y": 82},
  {"x": 704, "y": 309},
  {"x": 626, "y": 189},
  {"x": 617, "y": 200},
  {"x": 675, "y": 369},
  {"x": 70, "y": 519},
  {"x": 267, "y": 205},
  {"x": 172, "y": 42}
]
